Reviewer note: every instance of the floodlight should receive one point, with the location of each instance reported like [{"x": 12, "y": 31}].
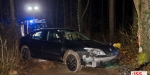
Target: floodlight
[
  {"x": 36, "y": 8},
  {"x": 29, "y": 8}
]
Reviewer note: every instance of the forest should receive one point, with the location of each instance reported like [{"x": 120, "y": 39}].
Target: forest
[{"x": 112, "y": 21}]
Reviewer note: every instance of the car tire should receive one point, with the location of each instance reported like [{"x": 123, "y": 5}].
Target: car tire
[
  {"x": 73, "y": 61},
  {"x": 25, "y": 53}
]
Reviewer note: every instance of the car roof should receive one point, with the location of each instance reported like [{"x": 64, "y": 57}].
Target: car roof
[{"x": 55, "y": 29}]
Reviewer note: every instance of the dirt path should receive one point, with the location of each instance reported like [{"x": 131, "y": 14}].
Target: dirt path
[{"x": 60, "y": 69}]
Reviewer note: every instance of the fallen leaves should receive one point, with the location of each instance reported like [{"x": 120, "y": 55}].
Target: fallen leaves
[
  {"x": 13, "y": 72},
  {"x": 35, "y": 65}
]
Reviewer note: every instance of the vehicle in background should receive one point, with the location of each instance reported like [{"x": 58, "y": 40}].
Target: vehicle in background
[{"x": 29, "y": 26}]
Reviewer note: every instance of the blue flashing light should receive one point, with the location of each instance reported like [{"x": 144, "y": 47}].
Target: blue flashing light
[{"x": 31, "y": 21}]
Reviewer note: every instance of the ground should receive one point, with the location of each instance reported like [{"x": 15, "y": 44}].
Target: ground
[{"x": 42, "y": 67}]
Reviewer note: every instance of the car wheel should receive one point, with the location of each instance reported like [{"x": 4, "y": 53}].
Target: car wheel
[
  {"x": 25, "y": 53},
  {"x": 73, "y": 61}
]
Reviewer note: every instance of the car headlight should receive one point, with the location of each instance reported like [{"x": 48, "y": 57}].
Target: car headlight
[{"x": 95, "y": 51}]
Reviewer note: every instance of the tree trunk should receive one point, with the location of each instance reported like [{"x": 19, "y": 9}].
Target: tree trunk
[
  {"x": 71, "y": 18},
  {"x": 56, "y": 14},
  {"x": 79, "y": 15},
  {"x": 143, "y": 11},
  {"x": 111, "y": 21},
  {"x": 64, "y": 10},
  {"x": 84, "y": 26},
  {"x": 12, "y": 12},
  {"x": 85, "y": 9},
  {"x": 0, "y": 10},
  {"x": 102, "y": 17},
  {"x": 123, "y": 13},
  {"x": 134, "y": 18},
  {"x": 50, "y": 15}
]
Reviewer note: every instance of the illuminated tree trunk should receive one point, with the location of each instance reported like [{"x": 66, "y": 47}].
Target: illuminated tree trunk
[
  {"x": 134, "y": 19},
  {"x": 143, "y": 12}
]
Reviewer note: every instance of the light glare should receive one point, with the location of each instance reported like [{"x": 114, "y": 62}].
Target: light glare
[
  {"x": 31, "y": 21},
  {"x": 30, "y": 8},
  {"x": 35, "y": 8}
]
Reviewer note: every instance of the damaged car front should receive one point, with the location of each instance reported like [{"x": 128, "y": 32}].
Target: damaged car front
[
  {"x": 84, "y": 52},
  {"x": 99, "y": 57}
]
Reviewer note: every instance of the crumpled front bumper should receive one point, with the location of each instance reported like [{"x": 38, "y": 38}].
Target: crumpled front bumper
[{"x": 97, "y": 61}]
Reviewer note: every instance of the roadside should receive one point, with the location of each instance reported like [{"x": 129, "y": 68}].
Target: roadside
[{"x": 42, "y": 67}]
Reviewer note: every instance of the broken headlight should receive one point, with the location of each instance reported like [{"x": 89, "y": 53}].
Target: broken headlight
[{"x": 95, "y": 51}]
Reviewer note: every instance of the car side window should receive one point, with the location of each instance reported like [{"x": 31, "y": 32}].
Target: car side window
[
  {"x": 37, "y": 35},
  {"x": 52, "y": 36}
]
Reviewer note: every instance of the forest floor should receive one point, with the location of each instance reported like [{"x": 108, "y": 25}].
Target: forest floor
[{"x": 43, "y": 67}]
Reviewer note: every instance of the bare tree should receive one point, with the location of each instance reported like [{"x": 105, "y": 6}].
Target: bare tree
[
  {"x": 86, "y": 18},
  {"x": 88, "y": 1},
  {"x": 12, "y": 12},
  {"x": 50, "y": 14},
  {"x": 111, "y": 20},
  {"x": 64, "y": 14},
  {"x": 123, "y": 12},
  {"x": 71, "y": 12},
  {"x": 134, "y": 18},
  {"x": 1, "y": 10},
  {"x": 56, "y": 13},
  {"x": 102, "y": 17},
  {"x": 79, "y": 15}
]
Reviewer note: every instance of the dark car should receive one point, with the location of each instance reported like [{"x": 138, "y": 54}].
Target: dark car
[{"x": 68, "y": 46}]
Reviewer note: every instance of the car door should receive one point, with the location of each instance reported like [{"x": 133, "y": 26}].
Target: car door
[
  {"x": 52, "y": 45},
  {"x": 36, "y": 44}
]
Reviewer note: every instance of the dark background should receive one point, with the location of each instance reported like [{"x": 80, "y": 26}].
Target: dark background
[{"x": 61, "y": 13}]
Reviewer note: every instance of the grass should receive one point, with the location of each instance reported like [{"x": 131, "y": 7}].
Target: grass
[{"x": 9, "y": 53}]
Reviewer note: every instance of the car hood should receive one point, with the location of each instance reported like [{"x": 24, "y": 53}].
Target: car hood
[{"x": 79, "y": 45}]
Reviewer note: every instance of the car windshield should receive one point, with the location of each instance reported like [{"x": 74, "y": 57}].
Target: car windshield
[{"x": 72, "y": 35}]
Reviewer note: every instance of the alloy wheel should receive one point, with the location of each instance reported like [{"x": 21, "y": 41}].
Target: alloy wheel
[{"x": 71, "y": 62}]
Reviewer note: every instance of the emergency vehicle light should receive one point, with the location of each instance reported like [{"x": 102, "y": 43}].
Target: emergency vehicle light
[{"x": 31, "y": 21}]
